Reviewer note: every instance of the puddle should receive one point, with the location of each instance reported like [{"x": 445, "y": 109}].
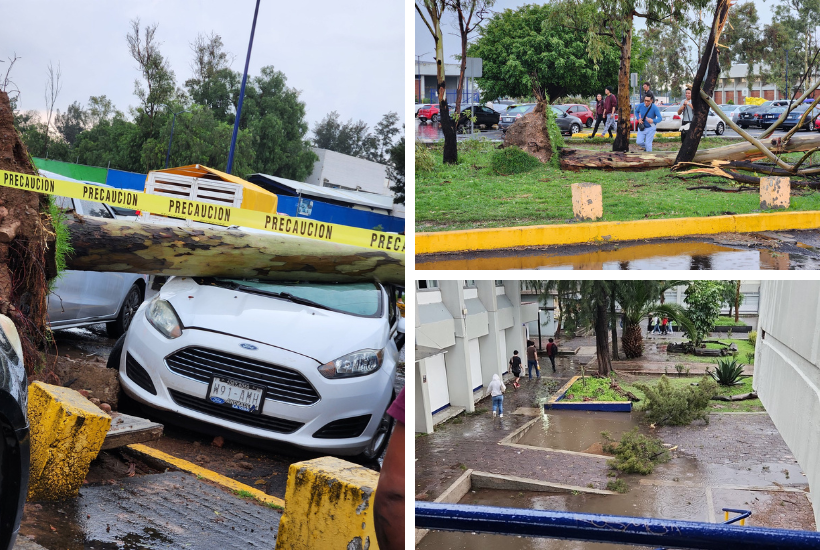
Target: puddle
[
  {"x": 577, "y": 430},
  {"x": 659, "y": 502},
  {"x": 662, "y": 256}
]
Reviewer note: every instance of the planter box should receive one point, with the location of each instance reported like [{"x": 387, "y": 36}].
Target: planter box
[{"x": 556, "y": 402}]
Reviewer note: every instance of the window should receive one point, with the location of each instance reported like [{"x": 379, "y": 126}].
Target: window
[
  {"x": 425, "y": 285},
  {"x": 94, "y": 209},
  {"x": 469, "y": 284}
]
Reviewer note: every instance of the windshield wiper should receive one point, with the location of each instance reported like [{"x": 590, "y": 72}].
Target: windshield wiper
[{"x": 283, "y": 295}]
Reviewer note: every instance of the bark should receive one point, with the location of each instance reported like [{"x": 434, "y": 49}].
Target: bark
[
  {"x": 133, "y": 247},
  {"x": 632, "y": 340},
  {"x": 621, "y": 142},
  {"x": 601, "y": 330},
  {"x": 705, "y": 80},
  {"x": 613, "y": 323}
]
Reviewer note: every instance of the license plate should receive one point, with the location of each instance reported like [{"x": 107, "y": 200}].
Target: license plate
[{"x": 236, "y": 394}]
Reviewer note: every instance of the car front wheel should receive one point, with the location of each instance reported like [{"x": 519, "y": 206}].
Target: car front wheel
[
  {"x": 719, "y": 129},
  {"x": 381, "y": 437},
  {"x": 129, "y": 307}
]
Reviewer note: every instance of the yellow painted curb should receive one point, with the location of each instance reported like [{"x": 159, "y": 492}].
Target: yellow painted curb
[
  {"x": 561, "y": 234},
  {"x": 330, "y": 505},
  {"x": 204, "y": 473},
  {"x": 634, "y": 135},
  {"x": 67, "y": 432}
]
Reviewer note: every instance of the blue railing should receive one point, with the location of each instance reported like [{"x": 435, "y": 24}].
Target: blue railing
[
  {"x": 471, "y": 97},
  {"x": 603, "y": 528}
]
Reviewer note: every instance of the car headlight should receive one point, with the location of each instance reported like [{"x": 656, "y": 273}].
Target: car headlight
[
  {"x": 162, "y": 317},
  {"x": 358, "y": 363}
]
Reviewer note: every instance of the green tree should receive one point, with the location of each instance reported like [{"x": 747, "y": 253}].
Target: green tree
[
  {"x": 159, "y": 84},
  {"x": 743, "y": 40},
  {"x": 213, "y": 84},
  {"x": 469, "y": 14},
  {"x": 385, "y": 133},
  {"x": 610, "y": 22},
  {"x": 638, "y": 299},
  {"x": 100, "y": 109},
  {"x": 529, "y": 51},
  {"x": 799, "y": 19},
  {"x": 704, "y": 300},
  {"x": 395, "y": 171},
  {"x": 276, "y": 118},
  {"x": 71, "y": 123},
  {"x": 117, "y": 142},
  {"x": 668, "y": 56},
  {"x": 349, "y": 138}
]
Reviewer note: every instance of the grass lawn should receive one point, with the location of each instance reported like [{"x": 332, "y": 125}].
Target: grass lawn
[
  {"x": 728, "y": 322},
  {"x": 748, "y": 405},
  {"x": 594, "y": 389},
  {"x": 469, "y": 195}
]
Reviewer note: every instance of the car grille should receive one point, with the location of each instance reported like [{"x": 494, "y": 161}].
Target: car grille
[
  {"x": 138, "y": 374},
  {"x": 282, "y": 384},
  {"x": 262, "y": 421},
  {"x": 344, "y": 428}
]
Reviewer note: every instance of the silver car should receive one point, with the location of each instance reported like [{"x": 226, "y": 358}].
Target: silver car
[{"x": 82, "y": 298}]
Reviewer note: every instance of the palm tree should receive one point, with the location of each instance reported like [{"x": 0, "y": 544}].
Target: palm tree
[{"x": 640, "y": 298}]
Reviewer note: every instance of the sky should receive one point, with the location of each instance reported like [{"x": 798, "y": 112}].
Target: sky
[
  {"x": 327, "y": 49},
  {"x": 452, "y": 43}
]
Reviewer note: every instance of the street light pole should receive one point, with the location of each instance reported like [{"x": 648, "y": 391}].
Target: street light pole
[
  {"x": 229, "y": 167},
  {"x": 171, "y": 139}
]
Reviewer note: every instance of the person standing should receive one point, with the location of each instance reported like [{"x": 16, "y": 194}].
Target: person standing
[
  {"x": 599, "y": 114},
  {"x": 497, "y": 389},
  {"x": 515, "y": 367},
  {"x": 532, "y": 359},
  {"x": 646, "y": 116},
  {"x": 552, "y": 351},
  {"x": 648, "y": 92},
  {"x": 610, "y": 104},
  {"x": 685, "y": 111}
]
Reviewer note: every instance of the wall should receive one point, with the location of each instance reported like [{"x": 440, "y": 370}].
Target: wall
[
  {"x": 74, "y": 171},
  {"x": 331, "y": 213},
  {"x": 787, "y": 370}
]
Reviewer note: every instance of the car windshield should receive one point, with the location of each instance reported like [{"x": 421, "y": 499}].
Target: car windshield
[
  {"x": 362, "y": 299},
  {"x": 776, "y": 110},
  {"x": 518, "y": 109},
  {"x": 562, "y": 108},
  {"x": 557, "y": 111}
]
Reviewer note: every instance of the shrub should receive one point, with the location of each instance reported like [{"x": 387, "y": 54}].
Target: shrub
[
  {"x": 556, "y": 139},
  {"x": 669, "y": 406},
  {"x": 753, "y": 338},
  {"x": 727, "y": 372},
  {"x": 512, "y": 160},
  {"x": 424, "y": 158},
  {"x": 617, "y": 485},
  {"x": 635, "y": 453}
]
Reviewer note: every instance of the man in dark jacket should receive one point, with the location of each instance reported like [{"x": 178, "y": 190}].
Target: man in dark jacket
[
  {"x": 610, "y": 104},
  {"x": 648, "y": 92}
]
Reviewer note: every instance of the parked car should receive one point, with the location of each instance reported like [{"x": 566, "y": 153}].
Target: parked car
[
  {"x": 672, "y": 121},
  {"x": 794, "y": 117},
  {"x": 429, "y": 113},
  {"x": 484, "y": 116},
  {"x": 308, "y": 364},
  {"x": 81, "y": 298},
  {"x": 753, "y": 116},
  {"x": 568, "y": 124},
  {"x": 770, "y": 116},
  {"x": 583, "y": 112},
  {"x": 514, "y": 112},
  {"x": 420, "y": 106},
  {"x": 14, "y": 449}
]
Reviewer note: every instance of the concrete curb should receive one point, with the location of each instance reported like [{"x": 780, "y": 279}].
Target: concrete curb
[
  {"x": 556, "y": 402},
  {"x": 191, "y": 468},
  {"x": 564, "y": 234}
]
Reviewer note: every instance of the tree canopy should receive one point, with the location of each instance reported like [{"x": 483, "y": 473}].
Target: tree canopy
[{"x": 528, "y": 47}]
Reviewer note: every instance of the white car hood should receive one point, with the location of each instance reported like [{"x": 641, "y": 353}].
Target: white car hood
[{"x": 319, "y": 334}]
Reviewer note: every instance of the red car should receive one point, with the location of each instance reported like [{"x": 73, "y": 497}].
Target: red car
[
  {"x": 583, "y": 112},
  {"x": 429, "y": 113}
]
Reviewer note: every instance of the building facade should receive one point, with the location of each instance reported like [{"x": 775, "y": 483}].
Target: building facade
[
  {"x": 787, "y": 370},
  {"x": 734, "y": 86},
  {"x": 466, "y": 331}
]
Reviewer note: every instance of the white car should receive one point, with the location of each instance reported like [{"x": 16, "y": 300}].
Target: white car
[
  {"x": 672, "y": 121},
  {"x": 309, "y": 364}
]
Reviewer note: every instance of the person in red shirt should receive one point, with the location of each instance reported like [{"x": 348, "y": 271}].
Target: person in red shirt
[
  {"x": 388, "y": 504},
  {"x": 552, "y": 351}
]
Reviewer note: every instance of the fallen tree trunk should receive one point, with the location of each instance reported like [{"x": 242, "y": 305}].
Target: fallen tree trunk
[
  {"x": 740, "y": 397},
  {"x": 134, "y": 247},
  {"x": 575, "y": 159}
]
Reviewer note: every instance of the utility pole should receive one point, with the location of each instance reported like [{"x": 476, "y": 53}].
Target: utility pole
[{"x": 241, "y": 94}]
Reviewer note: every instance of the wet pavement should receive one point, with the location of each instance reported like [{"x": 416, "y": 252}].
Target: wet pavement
[
  {"x": 752, "y": 251},
  {"x": 737, "y": 460},
  {"x": 163, "y": 511}
]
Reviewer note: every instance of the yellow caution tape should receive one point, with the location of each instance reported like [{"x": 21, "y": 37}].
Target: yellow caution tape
[{"x": 208, "y": 213}]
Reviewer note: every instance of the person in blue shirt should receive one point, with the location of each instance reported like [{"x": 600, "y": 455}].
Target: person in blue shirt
[{"x": 647, "y": 114}]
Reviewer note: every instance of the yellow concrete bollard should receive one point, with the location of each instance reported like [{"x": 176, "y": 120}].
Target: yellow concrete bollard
[
  {"x": 67, "y": 431},
  {"x": 328, "y": 506},
  {"x": 587, "y": 201},
  {"x": 774, "y": 193}
]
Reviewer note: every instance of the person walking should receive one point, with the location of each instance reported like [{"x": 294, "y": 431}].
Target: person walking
[
  {"x": 552, "y": 351},
  {"x": 610, "y": 104},
  {"x": 497, "y": 389},
  {"x": 685, "y": 111},
  {"x": 656, "y": 322},
  {"x": 665, "y": 325},
  {"x": 646, "y": 116},
  {"x": 532, "y": 360},
  {"x": 648, "y": 92},
  {"x": 599, "y": 114},
  {"x": 515, "y": 367}
]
